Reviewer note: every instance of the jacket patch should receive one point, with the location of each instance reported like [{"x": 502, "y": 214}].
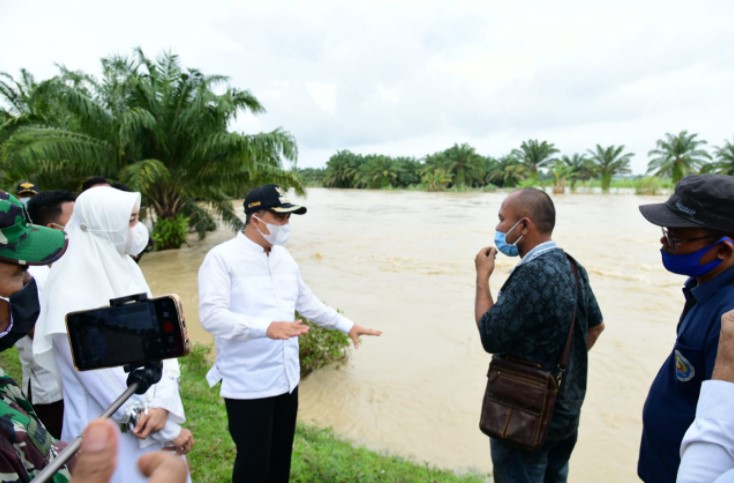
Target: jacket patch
[{"x": 684, "y": 370}]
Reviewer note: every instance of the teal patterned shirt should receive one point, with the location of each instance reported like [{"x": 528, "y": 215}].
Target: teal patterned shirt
[{"x": 530, "y": 321}]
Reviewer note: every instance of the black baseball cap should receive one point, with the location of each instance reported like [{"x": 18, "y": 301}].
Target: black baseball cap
[
  {"x": 26, "y": 188},
  {"x": 699, "y": 201},
  {"x": 270, "y": 197}
]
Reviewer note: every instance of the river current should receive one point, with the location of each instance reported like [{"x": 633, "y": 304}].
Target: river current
[{"x": 403, "y": 262}]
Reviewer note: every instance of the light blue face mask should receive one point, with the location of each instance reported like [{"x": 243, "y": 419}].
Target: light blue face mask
[{"x": 500, "y": 241}]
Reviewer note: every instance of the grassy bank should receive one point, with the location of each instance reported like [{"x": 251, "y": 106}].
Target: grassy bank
[{"x": 317, "y": 455}]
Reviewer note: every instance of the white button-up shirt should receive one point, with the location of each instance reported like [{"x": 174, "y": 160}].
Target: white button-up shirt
[
  {"x": 707, "y": 450},
  {"x": 242, "y": 290},
  {"x": 44, "y": 382}
]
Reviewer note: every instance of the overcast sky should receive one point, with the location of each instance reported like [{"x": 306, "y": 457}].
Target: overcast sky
[{"x": 414, "y": 77}]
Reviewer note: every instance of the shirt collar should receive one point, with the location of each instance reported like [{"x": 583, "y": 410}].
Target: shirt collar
[
  {"x": 537, "y": 251},
  {"x": 249, "y": 244},
  {"x": 708, "y": 289}
]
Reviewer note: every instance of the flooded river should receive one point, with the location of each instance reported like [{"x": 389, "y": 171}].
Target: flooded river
[{"x": 403, "y": 262}]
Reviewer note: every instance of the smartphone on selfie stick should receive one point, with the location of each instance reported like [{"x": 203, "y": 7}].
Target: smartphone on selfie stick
[{"x": 134, "y": 332}]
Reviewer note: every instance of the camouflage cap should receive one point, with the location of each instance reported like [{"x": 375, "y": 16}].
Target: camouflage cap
[{"x": 22, "y": 242}]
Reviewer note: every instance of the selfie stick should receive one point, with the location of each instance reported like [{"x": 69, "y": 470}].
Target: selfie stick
[{"x": 138, "y": 382}]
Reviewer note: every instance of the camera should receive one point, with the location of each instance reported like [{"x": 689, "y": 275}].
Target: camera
[{"x": 131, "y": 331}]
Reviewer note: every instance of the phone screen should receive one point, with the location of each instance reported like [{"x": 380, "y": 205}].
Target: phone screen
[{"x": 132, "y": 333}]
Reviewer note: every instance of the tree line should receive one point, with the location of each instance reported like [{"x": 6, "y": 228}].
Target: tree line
[
  {"x": 163, "y": 130},
  {"x": 534, "y": 162},
  {"x": 151, "y": 124}
]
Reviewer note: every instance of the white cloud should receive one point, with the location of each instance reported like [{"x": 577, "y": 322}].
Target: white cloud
[{"x": 410, "y": 77}]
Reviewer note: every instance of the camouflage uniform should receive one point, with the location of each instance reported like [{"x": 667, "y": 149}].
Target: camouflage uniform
[{"x": 25, "y": 445}]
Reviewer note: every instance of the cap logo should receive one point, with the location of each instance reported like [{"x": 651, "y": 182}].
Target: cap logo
[
  {"x": 254, "y": 203},
  {"x": 281, "y": 196},
  {"x": 684, "y": 208}
]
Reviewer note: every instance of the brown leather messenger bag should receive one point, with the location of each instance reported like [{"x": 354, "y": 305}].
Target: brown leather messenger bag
[{"x": 520, "y": 396}]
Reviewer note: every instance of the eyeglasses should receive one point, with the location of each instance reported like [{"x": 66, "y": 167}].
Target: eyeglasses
[{"x": 675, "y": 242}]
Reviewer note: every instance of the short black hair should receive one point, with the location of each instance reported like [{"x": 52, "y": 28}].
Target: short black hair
[
  {"x": 121, "y": 186},
  {"x": 93, "y": 181},
  {"x": 45, "y": 207},
  {"x": 539, "y": 208}
]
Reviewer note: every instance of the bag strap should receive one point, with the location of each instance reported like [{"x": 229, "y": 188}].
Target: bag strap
[{"x": 563, "y": 361}]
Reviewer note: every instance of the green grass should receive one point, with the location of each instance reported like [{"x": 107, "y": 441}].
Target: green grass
[{"x": 318, "y": 455}]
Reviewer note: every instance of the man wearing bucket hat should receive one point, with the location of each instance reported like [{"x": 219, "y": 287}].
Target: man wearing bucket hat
[
  {"x": 697, "y": 224},
  {"x": 25, "y": 445},
  {"x": 249, "y": 290}
]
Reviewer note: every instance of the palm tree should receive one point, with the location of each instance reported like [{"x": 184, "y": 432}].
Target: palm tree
[
  {"x": 535, "y": 155},
  {"x": 409, "y": 171},
  {"x": 461, "y": 161},
  {"x": 677, "y": 156},
  {"x": 507, "y": 172},
  {"x": 377, "y": 172},
  {"x": 561, "y": 172},
  {"x": 435, "y": 179},
  {"x": 578, "y": 167},
  {"x": 466, "y": 165},
  {"x": 163, "y": 131},
  {"x": 27, "y": 105},
  {"x": 724, "y": 163},
  {"x": 341, "y": 170},
  {"x": 609, "y": 162}
]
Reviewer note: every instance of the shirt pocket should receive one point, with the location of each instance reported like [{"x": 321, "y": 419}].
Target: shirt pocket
[{"x": 690, "y": 366}]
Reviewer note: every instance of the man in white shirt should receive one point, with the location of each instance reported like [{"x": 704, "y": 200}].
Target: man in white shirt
[
  {"x": 40, "y": 385},
  {"x": 249, "y": 290},
  {"x": 707, "y": 451}
]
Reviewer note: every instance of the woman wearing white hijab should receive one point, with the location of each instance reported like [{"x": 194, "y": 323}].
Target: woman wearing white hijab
[{"x": 96, "y": 268}]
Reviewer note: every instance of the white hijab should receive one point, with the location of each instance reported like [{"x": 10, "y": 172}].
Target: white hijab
[{"x": 95, "y": 267}]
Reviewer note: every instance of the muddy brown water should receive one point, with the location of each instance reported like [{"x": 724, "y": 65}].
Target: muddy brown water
[{"x": 403, "y": 262}]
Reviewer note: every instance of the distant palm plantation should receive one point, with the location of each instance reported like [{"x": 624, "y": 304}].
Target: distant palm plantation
[{"x": 534, "y": 163}]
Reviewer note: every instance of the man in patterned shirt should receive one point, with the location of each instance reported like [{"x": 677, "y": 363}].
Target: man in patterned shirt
[{"x": 530, "y": 320}]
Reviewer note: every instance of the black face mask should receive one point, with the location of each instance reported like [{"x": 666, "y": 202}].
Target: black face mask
[{"x": 24, "y": 310}]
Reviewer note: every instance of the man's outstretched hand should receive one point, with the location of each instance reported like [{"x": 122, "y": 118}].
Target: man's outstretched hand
[{"x": 358, "y": 330}]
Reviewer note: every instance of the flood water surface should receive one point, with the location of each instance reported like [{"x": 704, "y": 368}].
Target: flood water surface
[{"x": 403, "y": 262}]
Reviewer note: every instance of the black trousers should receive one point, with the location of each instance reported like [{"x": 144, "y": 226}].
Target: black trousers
[
  {"x": 51, "y": 415},
  {"x": 263, "y": 430}
]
